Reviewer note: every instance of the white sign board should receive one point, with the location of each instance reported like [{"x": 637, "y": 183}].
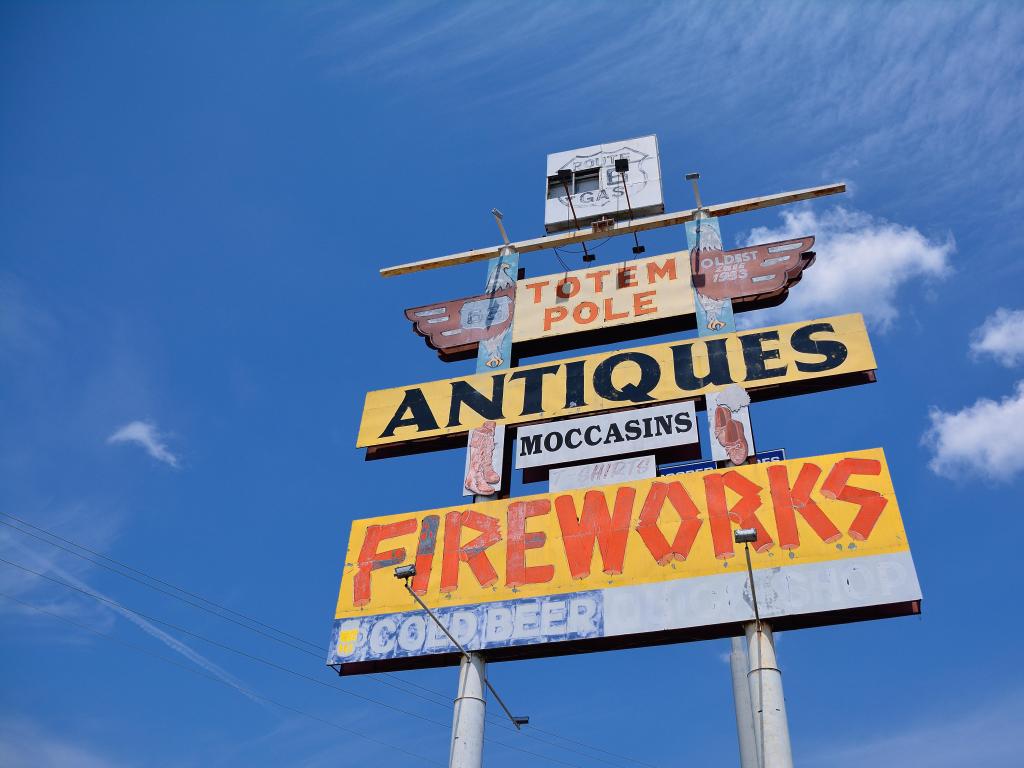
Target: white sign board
[
  {"x": 596, "y": 188},
  {"x": 602, "y": 473},
  {"x": 607, "y": 434}
]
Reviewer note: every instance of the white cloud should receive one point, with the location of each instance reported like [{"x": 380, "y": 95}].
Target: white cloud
[
  {"x": 986, "y": 437},
  {"x": 862, "y": 264},
  {"x": 145, "y": 434},
  {"x": 1001, "y": 336}
]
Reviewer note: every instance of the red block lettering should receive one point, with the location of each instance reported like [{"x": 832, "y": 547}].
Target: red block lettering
[
  {"x": 517, "y": 573},
  {"x": 788, "y": 501},
  {"x": 472, "y": 553},
  {"x": 720, "y": 515},
  {"x": 871, "y": 503},
  {"x": 425, "y": 553},
  {"x": 370, "y": 559},
  {"x": 689, "y": 522},
  {"x": 610, "y": 531}
]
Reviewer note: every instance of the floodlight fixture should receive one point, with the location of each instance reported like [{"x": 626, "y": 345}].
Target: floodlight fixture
[
  {"x": 745, "y": 535},
  {"x": 497, "y": 214},
  {"x": 518, "y": 720},
  {"x": 621, "y": 168},
  {"x": 405, "y": 571}
]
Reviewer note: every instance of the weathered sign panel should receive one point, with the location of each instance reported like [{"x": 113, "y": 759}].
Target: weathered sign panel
[
  {"x": 603, "y": 473},
  {"x": 597, "y": 190},
  {"x": 609, "y": 434},
  {"x": 768, "y": 362},
  {"x": 604, "y": 303},
  {"x": 603, "y": 297},
  {"x": 637, "y": 563}
]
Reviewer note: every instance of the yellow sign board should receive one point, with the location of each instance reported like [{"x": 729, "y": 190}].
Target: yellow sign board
[
  {"x": 654, "y": 288},
  {"x": 767, "y": 357},
  {"x": 649, "y": 556}
]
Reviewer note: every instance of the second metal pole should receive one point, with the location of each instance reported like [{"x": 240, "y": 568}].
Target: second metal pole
[
  {"x": 740, "y": 667},
  {"x": 771, "y": 727},
  {"x": 467, "y": 749}
]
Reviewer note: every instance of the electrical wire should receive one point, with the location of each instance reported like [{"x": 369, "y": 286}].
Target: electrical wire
[
  {"x": 266, "y": 662},
  {"x": 208, "y": 676},
  {"x": 395, "y": 685}
]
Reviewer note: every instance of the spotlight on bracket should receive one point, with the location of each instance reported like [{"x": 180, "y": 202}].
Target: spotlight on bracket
[
  {"x": 405, "y": 571},
  {"x": 745, "y": 535}
]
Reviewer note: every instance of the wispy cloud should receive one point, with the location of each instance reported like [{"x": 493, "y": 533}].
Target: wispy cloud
[
  {"x": 886, "y": 85},
  {"x": 977, "y": 735},
  {"x": 986, "y": 438},
  {"x": 863, "y": 265},
  {"x": 1001, "y": 336},
  {"x": 24, "y": 744},
  {"x": 146, "y": 435}
]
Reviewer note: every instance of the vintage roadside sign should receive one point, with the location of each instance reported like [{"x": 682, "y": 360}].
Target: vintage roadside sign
[
  {"x": 639, "y": 563},
  {"x": 768, "y": 362},
  {"x": 609, "y": 434},
  {"x": 615, "y": 301}
]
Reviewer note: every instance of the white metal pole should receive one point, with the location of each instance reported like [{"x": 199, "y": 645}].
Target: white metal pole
[
  {"x": 468, "y": 720},
  {"x": 769, "y": 706},
  {"x": 741, "y": 698}
]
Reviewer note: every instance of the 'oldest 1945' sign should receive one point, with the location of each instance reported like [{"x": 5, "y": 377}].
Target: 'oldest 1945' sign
[{"x": 645, "y": 562}]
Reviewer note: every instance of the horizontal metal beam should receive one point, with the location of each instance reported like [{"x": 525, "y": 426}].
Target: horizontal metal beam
[{"x": 620, "y": 228}]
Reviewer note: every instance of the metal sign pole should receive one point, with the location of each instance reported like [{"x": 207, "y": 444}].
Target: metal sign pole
[
  {"x": 467, "y": 749},
  {"x": 470, "y": 711},
  {"x": 764, "y": 681}
]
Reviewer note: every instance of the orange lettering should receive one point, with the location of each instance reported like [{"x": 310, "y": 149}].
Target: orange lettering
[
  {"x": 610, "y": 531},
  {"x": 643, "y": 304},
  {"x": 721, "y": 516},
  {"x": 609, "y": 313},
  {"x": 871, "y": 503},
  {"x": 627, "y": 277},
  {"x": 598, "y": 278},
  {"x": 787, "y": 502},
  {"x": 668, "y": 269},
  {"x": 689, "y": 522},
  {"x": 370, "y": 559},
  {"x": 591, "y": 309},
  {"x": 536, "y": 288},
  {"x": 568, "y": 287},
  {"x": 517, "y": 572},
  {"x": 473, "y": 553},
  {"x": 554, "y": 315}
]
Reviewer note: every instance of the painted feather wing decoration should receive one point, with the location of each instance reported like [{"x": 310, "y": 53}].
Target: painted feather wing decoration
[
  {"x": 456, "y": 327},
  {"x": 751, "y": 274}
]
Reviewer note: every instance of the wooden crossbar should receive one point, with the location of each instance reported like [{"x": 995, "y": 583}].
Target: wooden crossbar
[{"x": 621, "y": 228}]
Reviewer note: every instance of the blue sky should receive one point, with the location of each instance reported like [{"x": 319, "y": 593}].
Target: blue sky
[{"x": 195, "y": 199}]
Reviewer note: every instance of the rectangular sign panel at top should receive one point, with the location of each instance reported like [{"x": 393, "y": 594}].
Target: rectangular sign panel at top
[
  {"x": 610, "y": 434},
  {"x": 643, "y": 562},
  {"x": 810, "y": 355}
]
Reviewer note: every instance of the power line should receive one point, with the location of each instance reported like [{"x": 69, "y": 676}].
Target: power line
[
  {"x": 207, "y": 675},
  {"x": 267, "y": 662},
  {"x": 399, "y": 685}
]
